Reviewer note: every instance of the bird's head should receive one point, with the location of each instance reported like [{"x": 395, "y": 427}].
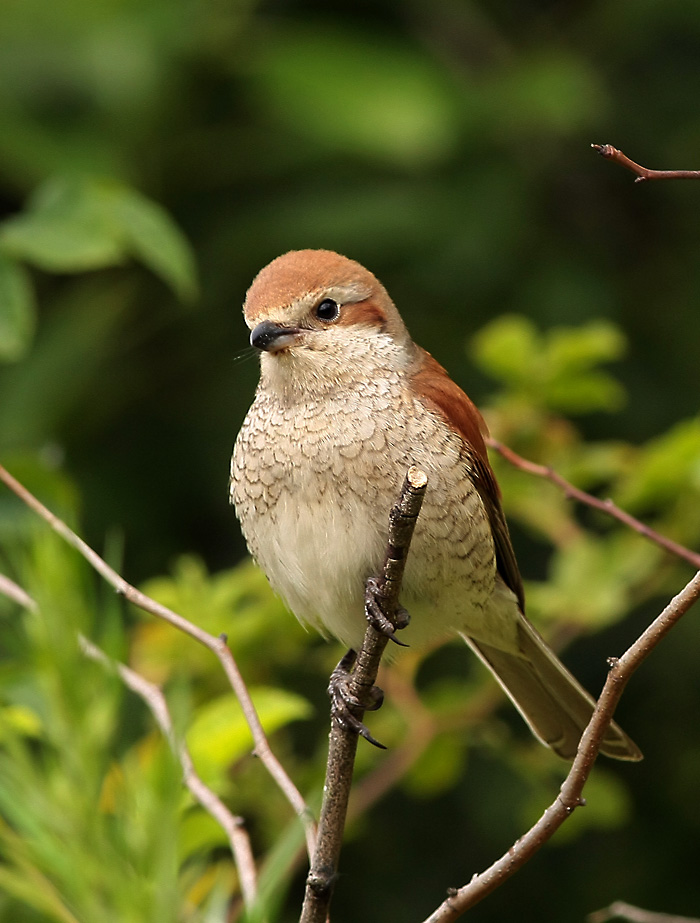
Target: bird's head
[{"x": 319, "y": 320}]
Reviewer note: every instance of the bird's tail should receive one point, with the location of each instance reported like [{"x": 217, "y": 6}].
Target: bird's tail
[{"x": 553, "y": 703}]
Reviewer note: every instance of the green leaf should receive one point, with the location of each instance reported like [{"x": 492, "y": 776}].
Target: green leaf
[
  {"x": 17, "y": 310},
  {"x": 556, "y": 370},
  {"x": 65, "y": 229},
  {"x": 220, "y": 735},
  {"x": 19, "y": 719},
  {"x": 664, "y": 466},
  {"x": 151, "y": 236},
  {"x": 508, "y": 348},
  {"x": 80, "y": 224}
]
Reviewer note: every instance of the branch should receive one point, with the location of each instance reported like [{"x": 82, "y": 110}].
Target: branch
[
  {"x": 15, "y": 592},
  {"x": 569, "y": 797},
  {"x": 343, "y": 739},
  {"x": 642, "y": 173},
  {"x": 153, "y": 696},
  {"x": 217, "y": 646},
  {"x": 605, "y": 506},
  {"x": 619, "y": 910}
]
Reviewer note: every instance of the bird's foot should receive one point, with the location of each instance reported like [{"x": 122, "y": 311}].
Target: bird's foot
[
  {"x": 376, "y": 616},
  {"x": 344, "y": 703}
]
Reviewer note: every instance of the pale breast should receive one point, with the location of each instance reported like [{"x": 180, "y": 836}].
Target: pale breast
[{"x": 313, "y": 483}]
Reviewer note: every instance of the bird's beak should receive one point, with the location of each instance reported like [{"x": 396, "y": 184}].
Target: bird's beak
[{"x": 271, "y": 338}]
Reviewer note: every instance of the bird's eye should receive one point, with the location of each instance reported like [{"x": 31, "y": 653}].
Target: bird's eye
[{"x": 327, "y": 309}]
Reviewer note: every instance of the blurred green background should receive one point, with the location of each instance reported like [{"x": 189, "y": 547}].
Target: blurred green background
[{"x": 446, "y": 145}]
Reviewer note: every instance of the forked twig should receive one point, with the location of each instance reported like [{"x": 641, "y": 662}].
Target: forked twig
[
  {"x": 218, "y": 646},
  {"x": 569, "y": 798}
]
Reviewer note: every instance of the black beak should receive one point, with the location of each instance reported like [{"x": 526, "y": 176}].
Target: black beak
[{"x": 270, "y": 337}]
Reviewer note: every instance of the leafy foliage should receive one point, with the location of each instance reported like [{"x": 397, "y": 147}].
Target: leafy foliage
[{"x": 444, "y": 145}]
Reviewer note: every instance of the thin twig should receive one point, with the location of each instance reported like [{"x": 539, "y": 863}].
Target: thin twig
[
  {"x": 619, "y": 910},
  {"x": 153, "y": 696},
  {"x": 218, "y": 646},
  {"x": 234, "y": 827},
  {"x": 605, "y": 506},
  {"x": 569, "y": 797},
  {"x": 343, "y": 738},
  {"x": 15, "y": 592},
  {"x": 642, "y": 173}
]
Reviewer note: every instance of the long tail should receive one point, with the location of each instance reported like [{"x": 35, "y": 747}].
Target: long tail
[{"x": 553, "y": 703}]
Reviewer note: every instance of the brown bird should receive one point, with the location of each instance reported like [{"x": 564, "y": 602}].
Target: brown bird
[{"x": 345, "y": 404}]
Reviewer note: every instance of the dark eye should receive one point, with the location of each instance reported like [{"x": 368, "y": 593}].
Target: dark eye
[{"x": 327, "y": 309}]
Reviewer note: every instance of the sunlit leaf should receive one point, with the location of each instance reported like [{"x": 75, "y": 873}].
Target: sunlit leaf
[{"x": 220, "y": 734}]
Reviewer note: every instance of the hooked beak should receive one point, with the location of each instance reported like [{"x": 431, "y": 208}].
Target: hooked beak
[{"x": 271, "y": 338}]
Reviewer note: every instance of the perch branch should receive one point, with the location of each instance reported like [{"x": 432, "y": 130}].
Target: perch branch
[
  {"x": 569, "y": 797},
  {"x": 217, "y": 646},
  {"x": 605, "y": 506},
  {"x": 343, "y": 739},
  {"x": 642, "y": 173}
]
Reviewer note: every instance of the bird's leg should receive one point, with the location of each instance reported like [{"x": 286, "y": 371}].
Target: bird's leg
[
  {"x": 375, "y": 614},
  {"x": 343, "y": 702}
]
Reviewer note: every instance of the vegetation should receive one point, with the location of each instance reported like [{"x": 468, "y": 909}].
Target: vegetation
[{"x": 446, "y": 146}]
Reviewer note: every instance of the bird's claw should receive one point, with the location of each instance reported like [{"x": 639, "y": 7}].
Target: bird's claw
[
  {"x": 377, "y": 618},
  {"x": 343, "y": 701}
]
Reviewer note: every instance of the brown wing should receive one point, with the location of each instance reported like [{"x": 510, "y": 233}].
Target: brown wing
[{"x": 441, "y": 394}]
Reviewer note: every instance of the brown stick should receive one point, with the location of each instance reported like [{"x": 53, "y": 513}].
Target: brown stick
[
  {"x": 343, "y": 739},
  {"x": 217, "y": 646},
  {"x": 605, "y": 506},
  {"x": 569, "y": 797},
  {"x": 619, "y": 910},
  {"x": 642, "y": 173},
  {"x": 152, "y": 695}
]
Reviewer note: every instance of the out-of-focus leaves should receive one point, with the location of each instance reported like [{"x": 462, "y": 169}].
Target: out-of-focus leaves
[
  {"x": 74, "y": 225},
  {"x": 557, "y": 369},
  {"x": 592, "y": 581},
  {"x": 374, "y": 98},
  {"x": 65, "y": 228},
  {"x": 219, "y": 734},
  {"x": 438, "y": 767},
  {"x": 670, "y": 462},
  {"x": 548, "y": 92},
  {"x": 151, "y": 235},
  {"x": 17, "y": 310},
  {"x": 237, "y": 602},
  {"x": 18, "y": 719}
]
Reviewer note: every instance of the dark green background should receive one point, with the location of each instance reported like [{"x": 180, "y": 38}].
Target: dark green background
[{"x": 446, "y": 145}]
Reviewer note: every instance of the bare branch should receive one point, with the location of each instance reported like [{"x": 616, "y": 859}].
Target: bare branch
[
  {"x": 234, "y": 827},
  {"x": 619, "y": 910},
  {"x": 605, "y": 506},
  {"x": 15, "y": 592},
  {"x": 569, "y": 797},
  {"x": 217, "y": 646},
  {"x": 343, "y": 739},
  {"x": 642, "y": 173}
]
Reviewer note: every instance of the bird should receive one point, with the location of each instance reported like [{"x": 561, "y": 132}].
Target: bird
[{"x": 346, "y": 403}]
